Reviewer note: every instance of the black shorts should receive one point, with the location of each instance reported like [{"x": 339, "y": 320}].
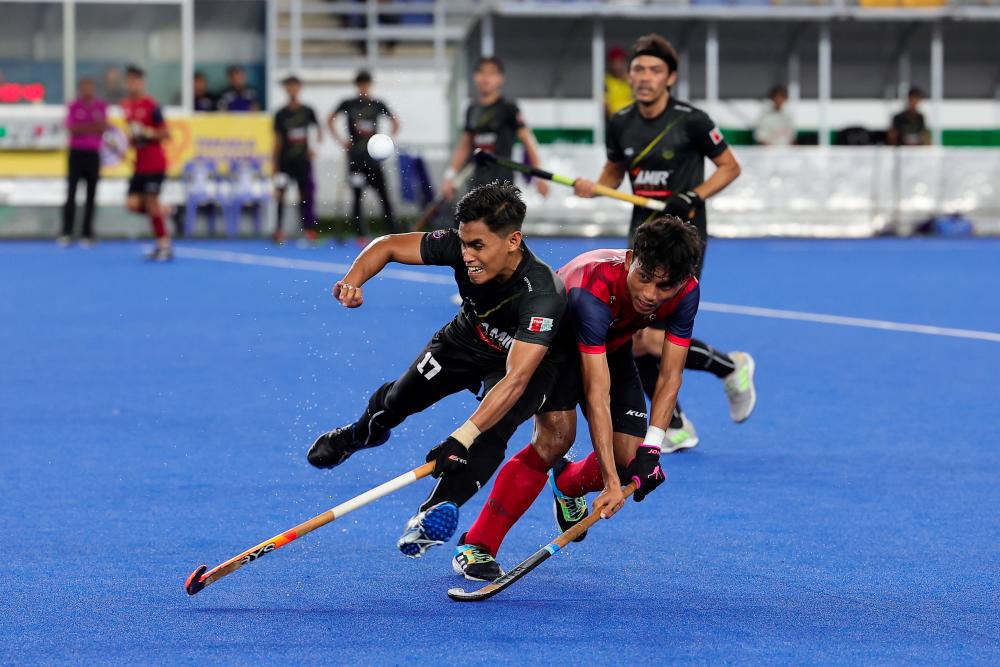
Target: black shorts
[
  {"x": 628, "y": 402},
  {"x": 361, "y": 173},
  {"x": 146, "y": 184}
]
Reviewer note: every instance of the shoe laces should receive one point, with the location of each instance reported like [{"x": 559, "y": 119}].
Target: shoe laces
[
  {"x": 573, "y": 508},
  {"x": 475, "y": 554}
]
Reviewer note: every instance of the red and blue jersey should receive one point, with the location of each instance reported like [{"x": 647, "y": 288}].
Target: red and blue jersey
[
  {"x": 602, "y": 310},
  {"x": 142, "y": 115}
]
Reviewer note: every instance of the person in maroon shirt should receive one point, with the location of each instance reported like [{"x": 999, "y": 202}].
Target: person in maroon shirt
[
  {"x": 86, "y": 121},
  {"x": 147, "y": 132},
  {"x": 612, "y": 295}
]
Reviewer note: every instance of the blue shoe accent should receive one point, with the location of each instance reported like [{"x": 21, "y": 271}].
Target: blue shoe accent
[{"x": 428, "y": 529}]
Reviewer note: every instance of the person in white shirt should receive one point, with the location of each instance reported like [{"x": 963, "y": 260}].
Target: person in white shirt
[{"x": 775, "y": 127}]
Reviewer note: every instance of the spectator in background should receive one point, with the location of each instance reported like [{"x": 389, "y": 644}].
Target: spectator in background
[
  {"x": 112, "y": 88},
  {"x": 617, "y": 89},
  {"x": 363, "y": 170},
  {"x": 204, "y": 100},
  {"x": 908, "y": 126},
  {"x": 238, "y": 96},
  {"x": 775, "y": 127},
  {"x": 86, "y": 120}
]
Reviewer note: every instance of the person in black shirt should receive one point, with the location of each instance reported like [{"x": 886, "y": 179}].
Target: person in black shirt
[
  {"x": 492, "y": 123},
  {"x": 507, "y": 339},
  {"x": 293, "y": 159},
  {"x": 662, "y": 143},
  {"x": 204, "y": 100},
  {"x": 908, "y": 126},
  {"x": 363, "y": 113}
]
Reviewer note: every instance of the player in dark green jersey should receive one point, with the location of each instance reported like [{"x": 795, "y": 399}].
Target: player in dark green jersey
[{"x": 661, "y": 144}]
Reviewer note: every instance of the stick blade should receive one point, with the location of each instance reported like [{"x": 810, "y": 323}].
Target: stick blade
[
  {"x": 194, "y": 582},
  {"x": 462, "y": 595}
]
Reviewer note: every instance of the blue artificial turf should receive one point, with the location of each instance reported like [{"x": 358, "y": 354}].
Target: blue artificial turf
[{"x": 156, "y": 417}]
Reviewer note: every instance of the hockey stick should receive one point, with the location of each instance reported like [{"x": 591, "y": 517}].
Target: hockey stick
[
  {"x": 435, "y": 206},
  {"x": 603, "y": 190},
  {"x": 531, "y": 562},
  {"x": 199, "y": 579}
]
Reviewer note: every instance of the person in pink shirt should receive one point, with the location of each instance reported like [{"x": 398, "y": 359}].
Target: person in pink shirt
[{"x": 86, "y": 120}]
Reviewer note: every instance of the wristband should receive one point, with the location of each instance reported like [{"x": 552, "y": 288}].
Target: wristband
[
  {"x": 466, "y": 433},
  {"x": 449, "y": 173},
  {"x": 654, "y": 437}
]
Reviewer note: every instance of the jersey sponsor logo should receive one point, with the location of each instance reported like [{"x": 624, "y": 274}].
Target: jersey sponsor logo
[
  {"x": 653, "y": 178},
  {"x": 485, "y": 139},
  {"x": 540, "y": 324},
  {"x": 715, "y": 135},
  {"x": 438, "y": 233},
  {"x": 629, "y": 152},
  {"x": 498, "y": 339}
]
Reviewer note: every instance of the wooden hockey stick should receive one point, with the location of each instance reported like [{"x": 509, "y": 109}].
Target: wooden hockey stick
[
  {"x": 530, "y": 563},
  {"x": 199, "y": 579},
  {"x": 602, "y": 190}
]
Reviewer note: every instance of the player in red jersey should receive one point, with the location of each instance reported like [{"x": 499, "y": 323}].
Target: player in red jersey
[
  {"x": 147, "y": 132},
  {"x": 612, "y": 295}
]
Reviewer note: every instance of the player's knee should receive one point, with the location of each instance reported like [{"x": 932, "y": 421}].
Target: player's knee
[{"x": 554, "y": 434}]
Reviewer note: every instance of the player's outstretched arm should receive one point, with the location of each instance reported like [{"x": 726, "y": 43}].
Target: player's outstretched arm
[
  {"x": 597, "y": 390},
  {"x": 668, "y": 383},
  {"x": 611, "y": 176},
  {"x": 463, "y": 149},
  {"x": 727, "y": 170},
  {"x": 399, "y": 248},
  {"x": 527, "y": 138},
  {"x": 522, "y": 361}
]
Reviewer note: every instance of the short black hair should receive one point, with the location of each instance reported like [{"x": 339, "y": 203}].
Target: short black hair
[
  {"x": 497, "y": 204},
  {"x": 489, "y": 60},
  {"x": 915, "y": 92},
  {"x": 135, "y": 70},
  {"x": 363, "y": 76},
  {"x": 656, "y": 46},
  {"x": 777, "y": 90},
  {"x": 233, "y": 69},
  {"x": 198, "y": 74},
  {"x": 668, "y": 243},
  {"x": 291, "y": 78}
]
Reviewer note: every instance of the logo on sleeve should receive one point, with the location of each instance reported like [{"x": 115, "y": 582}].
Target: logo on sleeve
[
  {"x": 715, "y": 135},
  {"x": 540, "y": 324}
]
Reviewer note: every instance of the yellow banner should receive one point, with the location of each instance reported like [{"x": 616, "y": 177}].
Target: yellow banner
[{"x": 220, "y": 137}]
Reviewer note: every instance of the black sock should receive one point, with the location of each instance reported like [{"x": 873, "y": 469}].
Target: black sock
[{"x": 704, "y": 357}]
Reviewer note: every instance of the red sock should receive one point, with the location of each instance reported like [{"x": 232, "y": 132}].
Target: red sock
[
  {"x": 159, "y": 229},
  {"x": 518, "y": 484},
  {"x": 581, "y": 477}
]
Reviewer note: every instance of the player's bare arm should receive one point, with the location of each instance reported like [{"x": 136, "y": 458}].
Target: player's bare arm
[
  {"x": 331, "y": 122},
  {"x": 668, "y": 383},
  {"x": 527, "y": 138},
  {"x": 597, "y": 390},
  {"x": 399, "y": 248},
  {"x": 522, "y": 361},
  {"x": 611, "y": 176},
  {"x": 727, "y": 170},
  {"x": 463, "y": 149}
]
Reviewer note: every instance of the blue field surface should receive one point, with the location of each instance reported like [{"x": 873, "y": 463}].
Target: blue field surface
[{"x": 156, "y": 417}]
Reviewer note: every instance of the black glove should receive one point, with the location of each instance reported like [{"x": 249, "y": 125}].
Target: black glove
[
  {"x": 645, "y": 471},
  {"x": 451, "y": 457},
  {"x": 684, "y": 204}
]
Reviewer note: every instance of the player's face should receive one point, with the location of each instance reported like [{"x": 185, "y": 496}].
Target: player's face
[
  {"x": 364, "y": 89},
  {"x": 488, "y": 79},
  {"x": 649, "y": 289},
  {"x": 135, "y": 85},
  {"x": 292, "y": 90},
  {"x": 486, "y": 253},
  {"x": 650, "y": 78},
  {"x": 86, "y": 88}
]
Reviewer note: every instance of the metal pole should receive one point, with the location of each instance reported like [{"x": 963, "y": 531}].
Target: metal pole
[
  {"x": 486, "y": 30},
  {"x": 712, "y": 67},
  {"x": 187, "y": 55},
  {"x": 937, "y": 84},
  {"x": 371, "y": 41},
  {"x": 271, "y": 57},
  {"x": 69, "y": 50},
  {"x": 825, "y": 69},
  {"x": 904, "y": 74},
  {"x": 597, "y": 51},
  {"x": 794, "y": 77},
  {"x": 684, "y": 73},
  {"x": 295, "y": 36},
  {"x": 439, "y": 42}
]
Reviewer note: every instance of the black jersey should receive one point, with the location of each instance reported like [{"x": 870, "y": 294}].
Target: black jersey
[
  {"x": 292, "y": 126},
  {"x": 528, "y": 307},
  {"x": 362, "y": 123},
  {"x": 493, "y": 128},
  {"x": 664, "y": 155}
]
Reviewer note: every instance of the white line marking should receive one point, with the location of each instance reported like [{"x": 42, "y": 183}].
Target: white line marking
[
  {"x": 254, "y": 259},
  {"x": 861, "y": 322}
]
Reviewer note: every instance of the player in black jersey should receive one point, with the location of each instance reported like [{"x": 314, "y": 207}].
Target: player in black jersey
[
  {"x": 293, "y": 159},
  {"x": 492, "y": 123},
  {"x": 662, "y": 143},
  {"x": 505, "y": 340},
  {"x": 363, "y": 113}
]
